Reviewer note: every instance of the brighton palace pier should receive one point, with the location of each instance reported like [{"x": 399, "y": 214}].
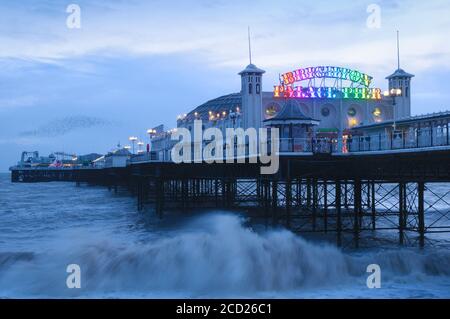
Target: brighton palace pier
[{"x": 352, "y": 159}]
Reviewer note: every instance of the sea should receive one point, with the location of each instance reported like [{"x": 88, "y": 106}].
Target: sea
[{"x": 123, "y": 253}]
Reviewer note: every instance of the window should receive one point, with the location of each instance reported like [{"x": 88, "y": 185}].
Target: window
[
  {"x": 272, "y": 110},
  {"x": 325, "y": 111},
  {"x": 406, "y": 91},
  {"x": 257, "y": 88},
  {"x": 376, "y": 112},
  {"x": 351, "y": 111},
  {"x": 250, "y": 88}
]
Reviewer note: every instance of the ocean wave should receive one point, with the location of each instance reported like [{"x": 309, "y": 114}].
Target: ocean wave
[{"x": 213, "y": 255}]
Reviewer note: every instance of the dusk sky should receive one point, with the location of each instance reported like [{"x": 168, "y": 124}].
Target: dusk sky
[{"x": 136, "y": 64}]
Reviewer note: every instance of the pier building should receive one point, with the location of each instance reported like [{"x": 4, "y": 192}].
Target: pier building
[{"x": 335, "y": 99}]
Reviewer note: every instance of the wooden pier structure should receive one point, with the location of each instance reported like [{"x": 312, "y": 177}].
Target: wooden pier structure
[{"x": 344, "y": 195}]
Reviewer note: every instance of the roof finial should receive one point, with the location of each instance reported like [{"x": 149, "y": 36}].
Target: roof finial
[
  {"x": 249, "y": 46},
  {"x": 398, "y": 50}
]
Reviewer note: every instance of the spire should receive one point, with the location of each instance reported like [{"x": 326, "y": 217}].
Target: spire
[
  {"x": 399, "y": 72},
  {"x": 249, "y": 46},
  {"x": 398, "y": 50}
]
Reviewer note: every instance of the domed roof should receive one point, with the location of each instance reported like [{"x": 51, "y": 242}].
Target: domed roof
[
  {"x": 251, "y": 68},
  {"x": 217, "y": 105},
  {"x": 400, "y": 73}
]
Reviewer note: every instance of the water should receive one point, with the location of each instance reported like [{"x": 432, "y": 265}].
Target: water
[{"x": 125, "y": 254}]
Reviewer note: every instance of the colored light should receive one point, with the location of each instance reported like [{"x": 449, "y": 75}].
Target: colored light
[
  {"x": 376, "y": 112},
  {"x": 326, "y": 72},
  {"x": 352, "y": 122},
  {"x": 327, "y": 92}
]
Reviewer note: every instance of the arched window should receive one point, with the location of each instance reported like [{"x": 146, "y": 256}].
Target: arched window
[
  {"x": 257, "y": 88},
  {"x": 250, "y": 88}
]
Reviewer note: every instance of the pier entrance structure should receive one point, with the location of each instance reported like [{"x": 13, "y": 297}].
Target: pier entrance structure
[{"x": 337, "y": 98}]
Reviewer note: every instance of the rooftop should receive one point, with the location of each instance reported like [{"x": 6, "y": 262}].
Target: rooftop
[
  {"x": 400, "y": 73},
  {"x": 221, "y": 104},
  {"x": 291, "y": 113},
  {"x": 251, "y": 68}
]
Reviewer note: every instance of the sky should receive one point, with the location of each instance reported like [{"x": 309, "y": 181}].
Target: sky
[{"x": 133, "y": 64}]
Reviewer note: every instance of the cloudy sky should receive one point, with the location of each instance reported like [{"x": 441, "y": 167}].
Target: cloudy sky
[{"x": 135, "y": 64}]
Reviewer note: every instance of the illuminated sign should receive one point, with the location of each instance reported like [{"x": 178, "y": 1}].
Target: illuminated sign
[
  {"x": 359, "y": 89},
  {"x": 326, "y": 92}
]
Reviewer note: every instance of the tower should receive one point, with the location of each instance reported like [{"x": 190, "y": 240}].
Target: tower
[
  {"x": 400, "y": 80},
  {"x": 251, "y": 92}
]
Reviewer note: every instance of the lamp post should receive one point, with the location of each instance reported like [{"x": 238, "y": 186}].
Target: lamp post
[
  {"x": 151, "y": 133},
  {"x": 140, "y": 144},
  {"x": 393, "y": 93},
  {"x": 133, "y": 140}
]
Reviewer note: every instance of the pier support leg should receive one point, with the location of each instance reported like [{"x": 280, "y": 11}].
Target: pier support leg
[
  {"x": 401, "y": 206},
  {"x": 338, "y": 213},
  {"x": 325, "y": 206},
  {"x": 288, "y": 202},
  {"x": 357, "y": 211},
  {"x": 299, "y": 193},
  {"x": 224, "y": 193},
  {"x": 346, "y": 195},
  {"x": 274, "y": 201},
  {"x": 373, "y": 208},
  {"x": 216, "y": 192},
  {"x": 258, "y": 193},
  {"x": 421, "y": 213},
  {"x": 266, "y": 189},
  {"x": 184, "y": 194},
  {"x": 314, "y": 204},
  {"x": 308, "y": 193}
]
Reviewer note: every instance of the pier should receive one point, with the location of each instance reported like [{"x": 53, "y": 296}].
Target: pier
[{"x": 344, "y": 195}]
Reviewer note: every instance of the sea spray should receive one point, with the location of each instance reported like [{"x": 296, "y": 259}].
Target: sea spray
[{"x": 214, "y": 254}]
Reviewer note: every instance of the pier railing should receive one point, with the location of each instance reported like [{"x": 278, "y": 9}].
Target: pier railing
[
  {"x": 397, "y": 140},
  {"x": 423, "y": 138}
]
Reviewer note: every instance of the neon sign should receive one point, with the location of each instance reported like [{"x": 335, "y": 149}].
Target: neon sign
[
  {"x": 326, "y": 92},
  {"x": 359, "y": 89}
]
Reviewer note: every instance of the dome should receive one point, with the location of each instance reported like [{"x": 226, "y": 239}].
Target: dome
[{"x": 221, "y": 104}]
